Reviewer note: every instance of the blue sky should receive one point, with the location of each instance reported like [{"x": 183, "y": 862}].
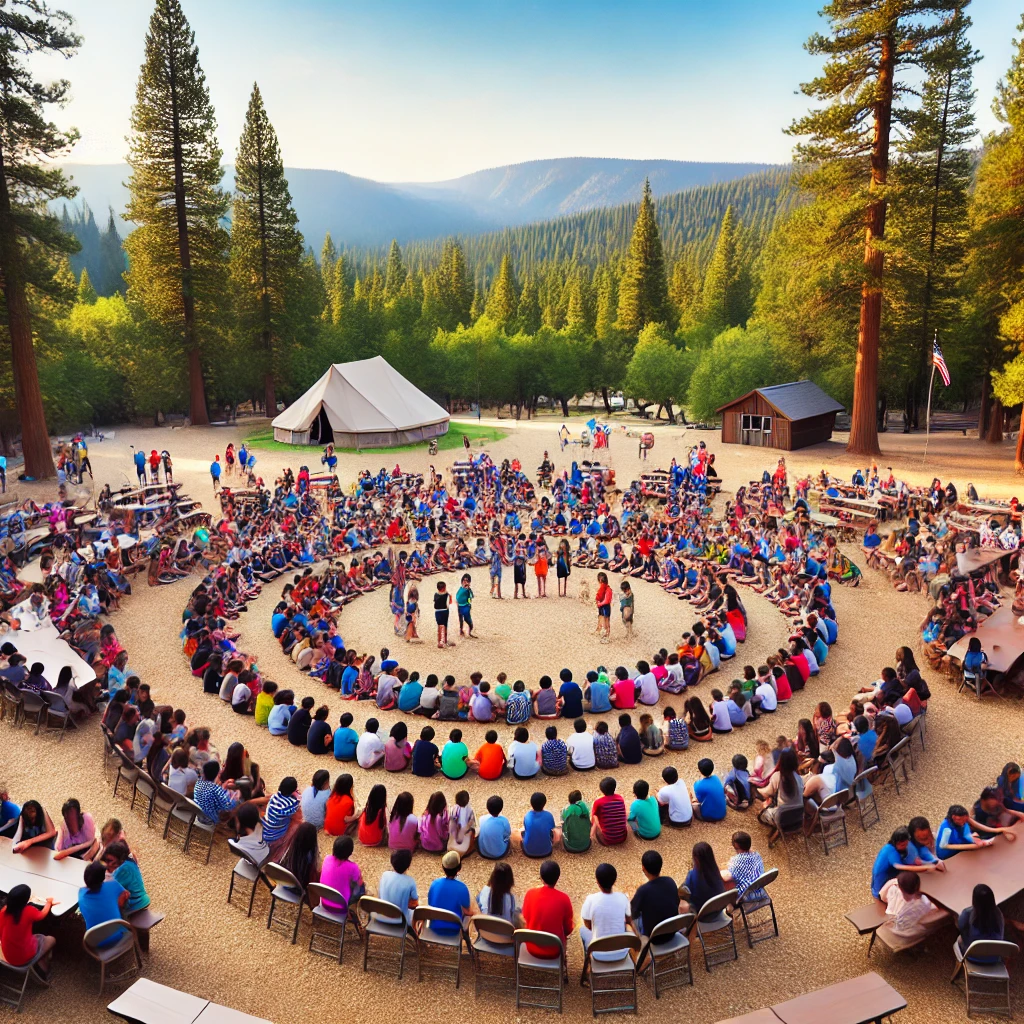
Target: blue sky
[{"x": 399, "y": 90}]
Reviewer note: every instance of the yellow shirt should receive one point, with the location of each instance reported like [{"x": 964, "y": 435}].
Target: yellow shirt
[{"x": 264, "y": 702}]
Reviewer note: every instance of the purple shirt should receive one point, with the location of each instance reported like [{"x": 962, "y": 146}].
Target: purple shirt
[
  {"x": 403, "y": 838},
  {"x": 343, "y": 875}
]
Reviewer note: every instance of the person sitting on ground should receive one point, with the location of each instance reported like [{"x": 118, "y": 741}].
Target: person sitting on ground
[
  {"x": 737, "y": 783},
  {"x": 628, "y": 742},
  {"x": 605, "y": 913},
  {"x": 346, "y": 739},
  {"x": 609, "y": 816},
  {"x": 397, "y": 750},
  {"x": 546, "y": 703},
  {"x": 580, "y": 747},
  {"x": 524, "y": 757},
  {"x": 17, "y": 942},
  {"x": 576, "y": 824},
  {"x": 462, "y": 824},
  {"x": 319, "y": 738},
  {"x": 403, "y": 825},
  {"x": 548, "y": 909},
  {"x": 698, "y": 723},
  {"x": 315, "y": 797},
  {"x": 519, "y": 704},
  {"x": 709, "y": 803},
  {"x": 489, "y": 760},
  {"x": 426, "y": 759},
  {"x": 434, "y": 824},
  {"x": 539, "y": 833},
  {"x": 370, "y": 747},
  {"x": 373, "y": 818},
  {"x": 651, "y": 739},
  {"x": 655, "y": 901},
  {"x": 454, "y": 756},
  {"x": 674, "y": 805},
  {"x": 494, "y": 839},
  {"x": 554, "y": 753},
  {"x": 299, "y": 723},
  {"x": 644, "y": 817},
  {"x": 606, "y": 751}
]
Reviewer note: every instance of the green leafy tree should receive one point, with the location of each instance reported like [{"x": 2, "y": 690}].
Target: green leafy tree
[
  {"x": 503, "y": 300},
  {"x": 643, "y": 290},
  {"x": 872, "y": 43},
  {"x": 266, "y": 246},
  {"x": 655, "y": 371},
  {"x": 30, "y": 237},
  {"x": 177, "y": 255}
]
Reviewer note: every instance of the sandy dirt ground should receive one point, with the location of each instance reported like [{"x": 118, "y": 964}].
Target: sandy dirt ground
[{"x": 211, "y": 949}]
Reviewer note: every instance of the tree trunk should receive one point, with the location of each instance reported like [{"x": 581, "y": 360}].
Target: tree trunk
[
  {"x": 198, "y": 413},
  {"x": 1018, "y": 459},
  {"x": 607, "y": 404},
  {"x": 270, "y": 398},
  {"x": 986, "y": 398},
  {"x": 35, "y": 438},
  {"x": 995, "y": 423},
  {"x": 565, "y": 406},
  {"x": 863, "y": 420}
]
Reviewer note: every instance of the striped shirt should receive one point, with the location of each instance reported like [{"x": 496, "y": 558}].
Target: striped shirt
[
  {"x": 278, "y": 816},
  {"x": 610, "y": 812}
]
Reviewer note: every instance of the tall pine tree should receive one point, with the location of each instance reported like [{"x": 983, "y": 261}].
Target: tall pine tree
[
  {"x": 528, "y": 312},
  {"x": 871, "y": 43},
  {"x": 723, "y": 297},
  {"x": 28, "y": 142},
  {"x": 266, "y": 246},
  {"x": 502, "y": 300},
  {"x": 395, "y": 274},
  {"x": 177, "y": 256},
  {"x": 643, "y": 290}
]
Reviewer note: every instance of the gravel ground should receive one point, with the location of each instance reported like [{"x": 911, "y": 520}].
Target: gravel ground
[{"x": 212, "y": 950}]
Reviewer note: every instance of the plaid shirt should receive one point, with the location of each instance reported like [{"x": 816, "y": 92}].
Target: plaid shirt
[
  {"x": 745, "y": 868},
  {"x": 605, "y": 752},
  {"x": 678, "y": 734},
  {"x": 554, "y": 755}
]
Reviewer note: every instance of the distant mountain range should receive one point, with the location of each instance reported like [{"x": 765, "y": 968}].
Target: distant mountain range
[{"x": 359, "y": 211}]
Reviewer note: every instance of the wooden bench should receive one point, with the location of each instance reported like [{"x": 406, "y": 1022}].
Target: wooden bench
[
  {"x": 872, "y": 920},
  {"x": 143, "y": 921}
]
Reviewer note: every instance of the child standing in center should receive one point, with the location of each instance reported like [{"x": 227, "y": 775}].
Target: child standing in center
[
  {"x": 626, "y": 608},
  {"x": 442, "y": 601}
]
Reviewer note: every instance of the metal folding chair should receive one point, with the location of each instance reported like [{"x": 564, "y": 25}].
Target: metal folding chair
[
  {"x": 670, "y": 962},
  {"x": 126, "y": 945},
  {"x": 127, "y": 770},
  {"x": 288, "y": 892},
  {"x": 613, "y": 981},
  {"x": 717, "y": 931},
  {"x": 385, "y": 921},
  {"x": 493, "y": 946},
  {"x": 13, "y": 993},
  {"x": 864, "y": 797},
  {"x": 830, "y": 821},
  {"x": 247, "y": 870},
  {"x": 33, "y": 706},
  {"x": 544, "y": 968},
  {"x": 200, "y": 824},
  {"x": 987, "y": 984},
  {"x": 58, "y": 710},
  {"x": 754, "y": 901},
  {"x": 432, "y": 943},
  {"x": 325, "y": 919}
]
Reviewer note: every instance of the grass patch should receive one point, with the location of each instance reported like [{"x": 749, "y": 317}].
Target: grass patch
[{"x": 263, "y": 440}]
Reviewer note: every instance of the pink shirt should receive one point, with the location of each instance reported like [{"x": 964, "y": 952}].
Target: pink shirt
[
  {"x": 434, "y": 831},
  {"x": 403, "y": 838},
  {"x": 396, "y": 755},
  {"x": 625, "y": 693},
  {"x": 343, "y": 875}
]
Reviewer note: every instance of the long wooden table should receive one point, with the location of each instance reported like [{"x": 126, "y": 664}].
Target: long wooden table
[
  {"x": 1000, "y": 866},
  {"x": 863, "y": 1000},
  {"x": 47, "y": 878},
  {"x": 1002, "y": 639},
  {"x": 980, "y": 558},
  {"x": 148, "y": 1002}
]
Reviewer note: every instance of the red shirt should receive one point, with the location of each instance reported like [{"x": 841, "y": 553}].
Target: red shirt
[
  {"x": 547, "y": 910},
  {"x": 16, "y": 939},
  {"x": 604, "y": 595},
  {"x": 625, "y": 693},
  {"x": 610, "y": 812}
]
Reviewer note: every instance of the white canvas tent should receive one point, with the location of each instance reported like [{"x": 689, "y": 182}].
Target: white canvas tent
[{"x": 363, "y": 404}]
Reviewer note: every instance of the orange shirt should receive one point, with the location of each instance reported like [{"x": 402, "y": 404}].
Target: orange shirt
[
  {"x": 491, "y": 759},
  {"x": 338, "y": 809}
]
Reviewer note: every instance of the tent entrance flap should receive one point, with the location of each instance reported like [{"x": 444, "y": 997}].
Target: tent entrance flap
[{"x": 320, "y": 430}]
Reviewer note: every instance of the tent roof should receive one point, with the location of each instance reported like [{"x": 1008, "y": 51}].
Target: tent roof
[
  {"x": 799, "y": 400},
  {"x": 367, "y": 395}
]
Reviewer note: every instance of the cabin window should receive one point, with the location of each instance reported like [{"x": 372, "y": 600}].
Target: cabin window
[
  {"x": 766, "y": 424},
  {"x": 745, "y": 422}
]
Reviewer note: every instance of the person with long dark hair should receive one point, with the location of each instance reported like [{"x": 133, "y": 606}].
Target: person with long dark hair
[
  {"x": 497, "y": 898},
  {"x": 785, "y": 790},
  {"x": 34, "y": 828},
  {"x": 704, "y": 879},
  {"x": 373, "y": 818},
  {"x": 981, "y": 921},
  {"x": 76, "y": 835},
  {"x": 17, "y": 943},
  {"x": 303, "y": 857}
]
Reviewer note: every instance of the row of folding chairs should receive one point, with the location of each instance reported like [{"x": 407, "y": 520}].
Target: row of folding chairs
[
  {"x": 499, "y": 952},
  {"x": 49, "y": 712}
]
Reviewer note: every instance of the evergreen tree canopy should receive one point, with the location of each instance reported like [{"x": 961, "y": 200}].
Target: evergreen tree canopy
[
  {"x": 177, "y": 254},
  {"x": 395, "y": 275},
  {"x": 502, "y": 301},
  {"x": 86, "y": 293},
  {"x": 643, "y": 290}
]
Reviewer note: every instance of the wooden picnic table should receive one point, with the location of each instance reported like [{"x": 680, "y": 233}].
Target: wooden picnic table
[
  {"x": 1000, "y": 866},
  {"x": 980, "y": 558},
  {"x": 1002, "y": 639},
  {"x": 855, "y": 502},
  {"x": 857, "y": 1001},
  {"x": 148, "y": 1002},
  {"x": 987, "y": 507},
  {"x": 47, "y": 878},
  {"x": 763, "y": 1016}
]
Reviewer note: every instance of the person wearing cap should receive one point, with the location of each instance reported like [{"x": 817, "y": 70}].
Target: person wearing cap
[
  {"x": 448, "y": 893},
  {"x": 386, "y": 683}
]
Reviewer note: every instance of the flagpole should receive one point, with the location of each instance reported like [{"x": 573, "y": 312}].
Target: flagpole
[{"x": 928, "y": 413}]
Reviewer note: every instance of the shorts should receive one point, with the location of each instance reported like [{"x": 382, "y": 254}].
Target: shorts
[
  {"x": 441, "y": 618},
  {"x": 465, "y": 615},
  {"x": 519, "y": 574},
  {"x": 604, "y": 610}
]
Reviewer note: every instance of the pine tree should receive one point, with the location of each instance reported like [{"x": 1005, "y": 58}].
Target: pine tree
[
  {"x": 996, "y": 215},
  {"x": 528, "y": 314},
  {"x": 607, "y": 305},
  {"x": 339, "y": 293},
  {"x": 111, "y": 258},
  {"x": 328, "y": 257},
  {"x": 28, "y": 143},
  {"x": 86, "y": 293},
  {"x": 502, "y": 302},
  {"x": 395, "y": 275},
  {"x": 266, "y": 246},
  {"x": 723, "y": 293},
  {"x": 643, "y": 291},
  {"x": 872, "y": 41},
  {"x": 576, "y": 310},
  {"x": 177, "y": 254}
]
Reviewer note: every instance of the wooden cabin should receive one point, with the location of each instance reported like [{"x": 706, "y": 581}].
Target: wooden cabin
[{"x": 786, "y": 416}]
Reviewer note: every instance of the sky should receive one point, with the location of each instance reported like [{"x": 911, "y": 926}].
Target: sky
[{"x": 424, "y": 90}]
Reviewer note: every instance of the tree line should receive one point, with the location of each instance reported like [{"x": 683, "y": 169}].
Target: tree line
[{"x": 889, "y": 232}]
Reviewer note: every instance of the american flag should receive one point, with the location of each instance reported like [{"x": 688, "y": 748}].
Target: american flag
[{"x": 940, "y": 363}]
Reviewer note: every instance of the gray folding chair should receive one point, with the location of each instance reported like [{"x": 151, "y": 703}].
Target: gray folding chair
[
  {"x": 864, "y": 797},
  {"x": 385, "y": 921},
  {"x": 987, "y": 986},
  {"x": 247, "y": 870},
  {"x": 830, "y": 821},
  {"x": 326, "y": 919},
  {"x": 12, "y": 993},
  {"x": 107, "y": 749},
  {"x": 200, "y": 825},
  {"x": 789, "y": 826},
  {"x": 435, "y": 949},
  {"x": 716, "y": 931},
  {"x": 288, "y": 892},
  {"x": 755, "y": 900},
  {"x": 33, "y": 706},
  {"x": 527, "y": 964},
  {"x": 896, "y": 763},
  {"x": 910, "y": 730},
  {"x": 179, "y": 816},
  {"x": 494, "y": 947},
  {"x": 613, "y": 981},
  {"x": 127, "y": 770},
  {"x": 146, "y": 793},
  {"x": 10, "y": 708},
  {"x": 670, "y": 965},
  {"x": 57, "y": 710},
  {"x": 105, "y": 956}
]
